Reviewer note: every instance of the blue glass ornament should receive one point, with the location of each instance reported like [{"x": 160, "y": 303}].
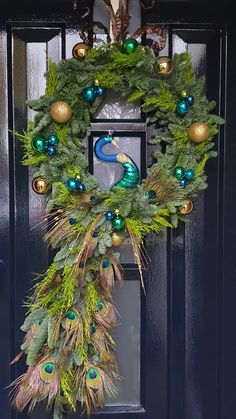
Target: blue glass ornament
[
  {"x": 109, "y": 215},
  {"x": 99, "y": 91},
  {"x": 179, "y": 172},
  {"x": 183, "y": 182},
  {"x": 182, "y": 108},
  {"x": 71, "y": 184},
  {"x": 95, "y": 234},
  {"x": 80, "y": 186},
  {"x": 51, "y": 150},
  {"x": 189, "y": 174},
  {"x": 72, "y": 221},
  {"x": 53, "y": 140},
  {"x": 90, "y": 94},
  {"x": 190, "y": 100}
]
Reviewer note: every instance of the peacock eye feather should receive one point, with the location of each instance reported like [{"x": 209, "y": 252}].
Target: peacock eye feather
[
  {"x": 92, "y": 374},
  {"x": 72, "y": 319},
  {"x": 48, "y": 372},
  {"x": 94, "y": 379},
  {"x": 106, "y": 263}
]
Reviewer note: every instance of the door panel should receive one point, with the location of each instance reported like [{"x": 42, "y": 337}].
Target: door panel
[{"x": 175, "y": 347}]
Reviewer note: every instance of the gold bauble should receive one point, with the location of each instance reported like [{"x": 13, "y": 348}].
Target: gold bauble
[
  {"x": 117, "y": 240},
  {"x": 198, "y": 132},
  {"x": 184, "y": 94},
  {"x": 61, "y": 112},
  {"x": 80, "y": 51},
  {"x": 187, "y": 208},
  {"x": 164, "y": 65},
  {"x": 40, "y": 186}
]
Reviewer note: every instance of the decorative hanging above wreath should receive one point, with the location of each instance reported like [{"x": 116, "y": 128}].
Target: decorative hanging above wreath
[{"x": 68, "y": 344}]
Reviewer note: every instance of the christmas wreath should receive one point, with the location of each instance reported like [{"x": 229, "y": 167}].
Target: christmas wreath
[{"x": 69, "y": 345}]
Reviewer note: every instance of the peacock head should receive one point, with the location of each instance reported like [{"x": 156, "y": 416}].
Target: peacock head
[{"x": 109, "y": 139}]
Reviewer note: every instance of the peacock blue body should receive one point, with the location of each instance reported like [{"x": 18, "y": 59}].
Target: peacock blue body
[{"x": 131, "y": 175}]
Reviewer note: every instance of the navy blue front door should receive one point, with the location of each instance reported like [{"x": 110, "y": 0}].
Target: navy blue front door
[{"x": 184, "y": 364}]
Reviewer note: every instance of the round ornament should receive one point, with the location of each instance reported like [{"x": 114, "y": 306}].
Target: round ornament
[
  {"x": 80, "y": 51},
  {"x": 109, "y": 215},
  {"x": 130, "y": 45},
  {"x": 164, "y": 65},
  {"x": 182, "y": 108},
  {"x": 80, "y": 186},
  {"x": 190, "y": 100},
  {"x": 41, "y": 186},
  {"x": 51, "y": 150},
  {"x": 53, "y": 140},
  {"x": 99, "y": 91},
  {"x": 183, "y": 182},
  {"x": 118, "y": 223},
  {"x": 187, "y": 208},
  {"x": 198, "y": 132},
  {"x": 61, "y": 111},
  {"x": 189, "y": 174},
  {"x": 39, "y": 144},
  {"x": 89, "y": 94},
  {"x": 117, "y": 239},
  {"x": 71, "y": 184},
  {"x": 184, "y": 94},
  {"x": 179, "y": 172}
]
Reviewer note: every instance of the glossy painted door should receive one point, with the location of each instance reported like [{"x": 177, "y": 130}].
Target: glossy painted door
[{"x": 176, "y": 346}]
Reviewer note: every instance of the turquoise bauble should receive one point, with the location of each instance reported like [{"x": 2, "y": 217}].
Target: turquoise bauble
[
  {"x": 189, "y": 174},
  {"x": 182, "y": 108},
  {"x": 118, "y": 223},
  {"x": 130, "y": 45},
  {"x": 53, "y": 140},
  {"x": 179, "y": 172},
  {"x": 90, "y": 94},
  {"x": 71, "y": 184},
  {"x": 39, "y": 144}
]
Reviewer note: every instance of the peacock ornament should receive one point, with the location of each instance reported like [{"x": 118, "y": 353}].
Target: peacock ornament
[{"x": 131, "y": 175}]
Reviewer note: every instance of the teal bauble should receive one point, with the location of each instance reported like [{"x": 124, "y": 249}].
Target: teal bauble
[
  {"x": 53, "y": 140},
  {"x": 179, "y": 172},
  {"x": 39, "y": 144},
  {"x": 130, "y": 45},
  {"x": 71, "y": 184},
  {"x": 90, "y": 94},
  {"x": 182, "y": 108},
  {"x": 118, "y": 223},
  {"x": 189, "y": 174}
]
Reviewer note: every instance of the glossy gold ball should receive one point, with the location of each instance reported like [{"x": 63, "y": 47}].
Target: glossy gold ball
[
  {"x": 117, "y": 240},
  {"x": 198, "y": 132},
  {"x": 164, "y": 65},
  {"x": 40, "y": 186},
  {"x": 187, "y": 208},
  {"x": 61, "y": 112},
  {"x": 80, "y": 51},
  {"x": 184, "y": 94}
]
